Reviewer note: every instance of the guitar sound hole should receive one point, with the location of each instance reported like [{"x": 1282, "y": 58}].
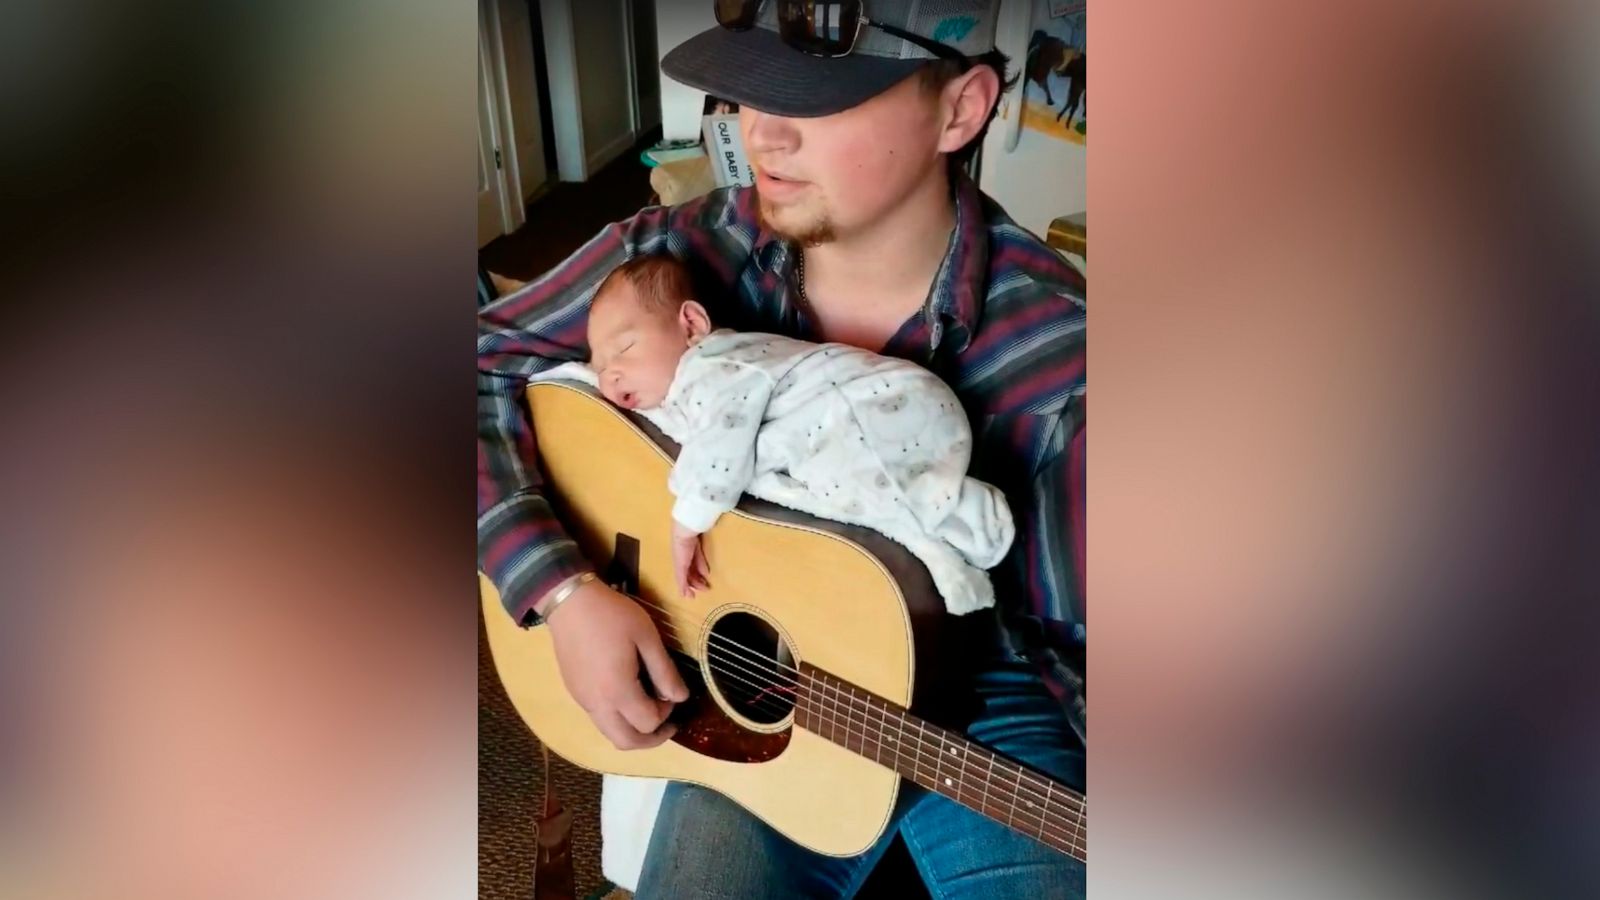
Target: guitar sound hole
[{"x": 751, "y": 667}]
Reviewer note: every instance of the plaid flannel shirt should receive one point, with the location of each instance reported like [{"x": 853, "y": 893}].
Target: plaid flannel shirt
[{"x": 1003, "y": 325}]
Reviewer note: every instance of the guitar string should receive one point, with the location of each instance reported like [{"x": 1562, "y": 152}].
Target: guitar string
[
  {"x": 1010, "y": 772},
  {"x": 778, "y": 710},
  {"x": 666, "y": 608},
  {"x": 761, "y": 687},
  {"x": 751, "y": 654},
  {"x": 1063, "y": 828},
  {"x": 857, "y": 704},
  {"x": 919, "y": 761},
  {"x": 732, "y": 645},
  {"x": 1042, "y": 813},
  {"x": 757, "y": 698},
  {"x": 1035, "y": 781},
  {"x": 1073, "y": 825}
]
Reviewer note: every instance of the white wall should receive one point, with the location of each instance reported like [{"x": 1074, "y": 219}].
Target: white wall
[
  {"x": 601, "y": 36},
  {"x": 1041, "y": 177},
  {"x": 676, "y": 22},
  {"x": 649, "y": 63}
]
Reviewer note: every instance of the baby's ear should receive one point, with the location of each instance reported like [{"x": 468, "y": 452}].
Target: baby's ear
[{"x": 695, "y": 320}]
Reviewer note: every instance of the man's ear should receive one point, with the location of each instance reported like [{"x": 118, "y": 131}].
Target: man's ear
[
  {"x": 694, "y": 319},
  {"x": 967, "y": 100}
]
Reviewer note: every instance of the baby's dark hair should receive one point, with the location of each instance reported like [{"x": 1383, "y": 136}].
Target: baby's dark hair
[{"x": 661, "y": 282}]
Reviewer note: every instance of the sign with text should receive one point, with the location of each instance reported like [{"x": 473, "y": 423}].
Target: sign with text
[{"x": 726, "y": 151}]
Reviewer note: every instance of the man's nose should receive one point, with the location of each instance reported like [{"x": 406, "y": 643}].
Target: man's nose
[{"x": 766, "y": 133}]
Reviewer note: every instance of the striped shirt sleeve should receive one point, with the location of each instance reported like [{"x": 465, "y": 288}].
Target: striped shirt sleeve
[
  {"x": 1055, "y": 535},
  {"x": 522, "y": 548}
]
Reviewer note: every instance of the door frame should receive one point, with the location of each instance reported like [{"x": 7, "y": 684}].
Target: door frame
[
  {"x": 491, "y": 45},
  {"x": 492, "y": 156},
  {"x": 510, "y": 139},
  {"x": 575, "y": 160}
]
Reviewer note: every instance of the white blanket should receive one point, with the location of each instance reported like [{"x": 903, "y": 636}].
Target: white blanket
[{"x": 628, "y": 808}]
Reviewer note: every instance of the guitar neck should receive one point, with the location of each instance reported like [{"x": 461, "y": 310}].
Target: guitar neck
[{"x": 942, "y": 761}]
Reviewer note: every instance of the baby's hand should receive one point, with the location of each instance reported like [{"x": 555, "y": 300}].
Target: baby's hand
[{"x": 689, "y": 561}]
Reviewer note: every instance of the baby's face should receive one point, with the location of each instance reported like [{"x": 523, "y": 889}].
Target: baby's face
[{"x": 634, "y": 351}]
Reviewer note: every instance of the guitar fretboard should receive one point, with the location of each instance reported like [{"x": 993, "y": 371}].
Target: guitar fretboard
[{"x": 942, "y": 761}]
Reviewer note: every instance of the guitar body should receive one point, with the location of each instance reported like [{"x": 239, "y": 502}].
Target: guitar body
[{"x": 834, "y": 597}]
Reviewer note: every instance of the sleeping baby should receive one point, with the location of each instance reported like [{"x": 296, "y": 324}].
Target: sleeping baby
[{"x": 826, "y": 429}]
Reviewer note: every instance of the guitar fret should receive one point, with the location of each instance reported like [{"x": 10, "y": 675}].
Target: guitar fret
[
  {"x": 850, "y": 707},
  {"x": 921, "y": 737},
  {"x": 877, "y": 734},
  {"x": 885, "y": 742},
  {"x": 842, "y": 720},
  {"x": 943, "y": 762},
  {"x": 879, "y": 728},
  {"x": 984, "y": 804},
  {"x": 1083, "y": 828},
  {"x": 855, "y": 707},
  {"x": 832, "y": 718},
  {"x": 816, "y": 708},
  {"x": 885, "y": 710},
  {"x": 849, "y": 721},
  {"x": 1027, "y": 803},
  {"x": 839, "y": 703},
  {"x": 845, "y": 713},
  {"x": 802, "y": 706},
  {"x": 1016, "y": 792},
  {"x": 821, "y": 712},
  {"x": 956, "y": 752},
  {"x": 1046, "y": 806},
  {"x": 938, "y": 779},
  {"x": 868, "y": 728},
  {"x": 902, "y": 744},
  {"x": 964, "y": 753}
]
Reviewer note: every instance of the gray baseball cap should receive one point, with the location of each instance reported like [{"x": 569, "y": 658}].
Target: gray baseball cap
[{"x": 756, "y": 68}]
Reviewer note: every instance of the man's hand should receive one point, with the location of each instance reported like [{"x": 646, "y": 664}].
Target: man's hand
[
  {"x": 600, "y": 635},
  {"x": 689, "y": 561}
]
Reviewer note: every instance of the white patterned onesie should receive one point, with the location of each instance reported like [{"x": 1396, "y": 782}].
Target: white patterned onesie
[{"x": 839, "y": 433}]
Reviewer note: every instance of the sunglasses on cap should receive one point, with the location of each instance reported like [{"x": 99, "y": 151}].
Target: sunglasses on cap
[{"x": 826, "y": 29}]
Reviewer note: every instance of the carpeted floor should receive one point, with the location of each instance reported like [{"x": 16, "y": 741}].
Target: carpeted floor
[
  {"x": 510, "y": 796},
  {"x": 569, "y": 214}
]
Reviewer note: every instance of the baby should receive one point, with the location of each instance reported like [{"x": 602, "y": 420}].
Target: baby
[{"x": 827, "y": 429}]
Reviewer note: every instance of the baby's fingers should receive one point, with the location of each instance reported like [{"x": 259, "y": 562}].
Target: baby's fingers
[
  {"x": 702, "y": 569},
  {"x": 682, "y": 570}
]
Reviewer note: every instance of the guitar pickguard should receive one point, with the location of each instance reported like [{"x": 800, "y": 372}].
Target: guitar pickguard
[
  {"x": 704, "y": 728},
  {"x": 703, "y": 725}
]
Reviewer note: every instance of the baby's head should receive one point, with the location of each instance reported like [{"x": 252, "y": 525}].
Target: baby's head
[{"x": 641, "y": 322}]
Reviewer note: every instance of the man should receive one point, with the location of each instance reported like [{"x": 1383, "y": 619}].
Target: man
[{"x": 862, "y": 228}]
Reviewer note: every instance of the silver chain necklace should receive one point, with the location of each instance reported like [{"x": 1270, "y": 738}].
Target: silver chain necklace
[{"x": 800, "y": 276}]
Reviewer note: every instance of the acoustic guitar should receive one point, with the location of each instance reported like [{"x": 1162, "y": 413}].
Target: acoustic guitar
[{"x": 802, "y": 659}]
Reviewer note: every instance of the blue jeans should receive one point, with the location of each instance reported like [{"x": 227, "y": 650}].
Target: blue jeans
[{"x": 705, "y": 845}]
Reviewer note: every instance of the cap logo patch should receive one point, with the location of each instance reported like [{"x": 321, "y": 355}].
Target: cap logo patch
[{"x": 954, "y": 29}]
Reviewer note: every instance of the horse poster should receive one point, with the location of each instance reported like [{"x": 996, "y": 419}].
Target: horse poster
[{"x": 1053, "y": 75}]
